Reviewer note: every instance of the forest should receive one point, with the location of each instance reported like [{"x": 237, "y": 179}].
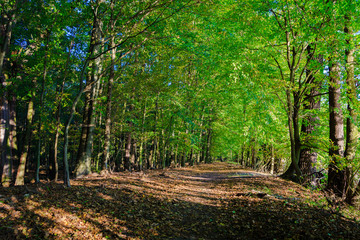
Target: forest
[{"x": 107, "y": 86}]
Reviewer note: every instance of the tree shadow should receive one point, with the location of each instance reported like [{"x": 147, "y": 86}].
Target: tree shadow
[{"x": 153, "y": 208}]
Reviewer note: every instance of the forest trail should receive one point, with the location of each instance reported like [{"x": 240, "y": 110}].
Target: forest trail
[{"x": 208, "y": 201}]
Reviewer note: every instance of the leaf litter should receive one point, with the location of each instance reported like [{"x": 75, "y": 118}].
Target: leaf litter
[{"x": 208, "y": 201}]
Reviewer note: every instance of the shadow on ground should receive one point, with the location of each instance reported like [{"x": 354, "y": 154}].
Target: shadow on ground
[{"x": 173, "y": 204}]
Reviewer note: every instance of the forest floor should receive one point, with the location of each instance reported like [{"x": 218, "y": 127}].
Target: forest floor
[{"x": 209, "y": 201}]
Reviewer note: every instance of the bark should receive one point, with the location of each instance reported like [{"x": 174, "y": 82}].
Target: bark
[
  {"x": 142, "y": 139},
  {"x": 127, "y": 160},
  {"x": 83, "y": 167},
  {"x": 208, "y": 142},
  {"x": 42, "y": 94},
  {"x": 352, "y": 133},
  {"x": 308, "y": 157},
  {"x": 12, "y": 134},
  {"x": 109, "y": 100},
  {"x": 85, "y": 125},
  {"x": 272, "y": 160},
  {"x": 8, "y": 18},
  {"x": 336, "y": 174},
  {"x": 25, "y": 146},
  {"x": 293, "y": 127},
  {"x": 67, "y": 127},
  {"x": 4, "y": 139}
]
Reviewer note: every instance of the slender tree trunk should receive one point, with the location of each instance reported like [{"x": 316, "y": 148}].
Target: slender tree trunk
[
  {"x": 109, "y": 100},
  {"x": 127, "y": 162},
  {"x": 4, "y": 139},
  {"x": 272, "y": 160},
  {"x": 208, "y": 143},
  {"x": 42, "y": 94},
  {"x": 67, "y": 127},
  {"x": 142, "y": 139},
  {"x": 293, "y": 127},
  {"x": 58, "y": 115}
]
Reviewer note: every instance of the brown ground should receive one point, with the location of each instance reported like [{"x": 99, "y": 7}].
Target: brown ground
[{"x": 212, "y": 201}]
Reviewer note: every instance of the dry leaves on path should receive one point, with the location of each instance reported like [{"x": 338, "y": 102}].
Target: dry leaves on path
[{"x": 209, "y": 201}]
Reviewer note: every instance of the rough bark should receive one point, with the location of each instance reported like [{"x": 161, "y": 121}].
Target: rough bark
[
  {"x": 293, "y": 127},
  {"x": 308, "y": 157},
  {"x": 4, "y": 138},
  {"x": 8, "y": 18},
  {"x": 336, "y": 173},
  {"x": 109, "y": 93},
  {"x": 25, "y": 146},
  {"x": 352, "y": 133},
  {"x": 85, "y": 150}
]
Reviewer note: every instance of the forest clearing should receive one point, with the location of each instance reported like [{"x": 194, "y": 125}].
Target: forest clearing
[{"x": 208, "y": 201}]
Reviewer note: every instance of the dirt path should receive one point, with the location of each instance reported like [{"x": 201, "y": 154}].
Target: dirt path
[{"x": 212, "y": 201}]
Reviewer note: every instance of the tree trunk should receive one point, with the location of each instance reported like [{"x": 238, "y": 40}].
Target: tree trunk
[
  {"x": 308, "y": 157},
  {"x": 272, "y": 159},
  {"x": 336, "y": 175},
  {"x": 42, "y": 94},
  {"x": 127, "y": 160},
  {"x": 4, "y": 139},
  {"x": 25, "y": 146},
  {"x": 293, "y": 127},
  {"x": 352, "y": 133},
  {"x": 8, "y": 20},
  {"x": 109, "y": 96},
  {"x": 142, "y": 139},
  {"x": 208, "y": 143},
  {"x": 85, "y": 150}
]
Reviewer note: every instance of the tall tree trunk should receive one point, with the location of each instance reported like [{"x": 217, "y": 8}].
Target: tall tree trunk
[
  {"x": 336, "y": 174},
  {"x": 352, "y": 133},
  {"x": 272, "y": 159},
  {"x": 127, "y": 160},
  {"x": 25, "y": 146},
  {"x": 85, "y": 151},
  {"x": 12, "y": 134},
  {"x": 4, "y": 138},
  {"x": 208, "y": 144},
  {"x": 109, "y": 92},
  {"x": 109, "y": 103},
  {"x": 142, "y": 150},
  {"x": 41, "y": 105},
  {"x": 293, "y": 127},
  {"x": 308, "y": 157},
  {"x": 8, "y": 20}
]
